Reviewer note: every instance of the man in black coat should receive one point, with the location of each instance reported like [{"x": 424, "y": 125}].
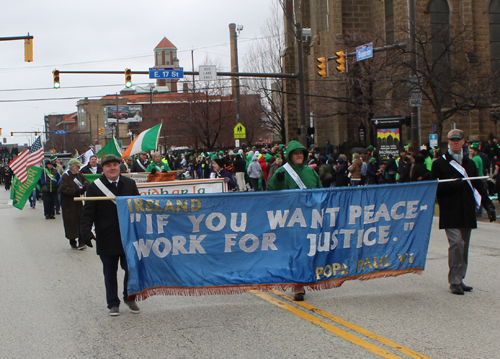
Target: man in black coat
[
  {"x": 108, "y": 239},
  {"x": 457, "y": 202},
  {"x": 140, "y": 164},
  {"x": 93, "y": 167}
]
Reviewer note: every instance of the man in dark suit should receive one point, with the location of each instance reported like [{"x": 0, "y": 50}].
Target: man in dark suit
[
  {"x": 140, "y": 164},
  {"x": 108, "y": 239},
  {"x": 457, "y": 203},
  {"x": 93, "y": 167}
]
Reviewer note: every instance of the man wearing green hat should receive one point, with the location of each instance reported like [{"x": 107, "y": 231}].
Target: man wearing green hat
[{"x": 474, "y": 155}]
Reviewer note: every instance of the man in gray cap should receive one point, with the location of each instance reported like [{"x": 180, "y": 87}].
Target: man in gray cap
[
  {"x": 140, "y": 164},
  {"x": 457, "y": 201},
  {"x": 107, "y": 230}
]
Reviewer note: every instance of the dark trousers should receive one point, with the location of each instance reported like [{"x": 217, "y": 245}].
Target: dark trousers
[
  {"x": 49, "y": 200},
  {"x": 254, "y": 183},
  {"x": 458, "y": 253},
  {"x": 110, "y": 271}
]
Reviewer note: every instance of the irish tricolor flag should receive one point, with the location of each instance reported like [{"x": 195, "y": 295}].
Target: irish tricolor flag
[{"x": 146, "y": 141}]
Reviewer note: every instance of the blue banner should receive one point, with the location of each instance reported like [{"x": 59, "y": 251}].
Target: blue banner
[{"x": 232, "y": 242}]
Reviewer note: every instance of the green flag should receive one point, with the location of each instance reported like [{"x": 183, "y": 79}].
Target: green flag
[
  {"x": 20, "y": 192},
  {"x": 111, "y": 148},
  {"x": 91, "y": 178}
]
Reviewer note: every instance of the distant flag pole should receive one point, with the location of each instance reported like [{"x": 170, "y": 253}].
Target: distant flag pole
[{"x": 146, "y": 141}]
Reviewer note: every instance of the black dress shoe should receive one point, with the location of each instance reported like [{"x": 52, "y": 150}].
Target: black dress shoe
[
  {"x": 456, "y": 289},
  {"x": 52, "y": 217},
  {"x": 466, "y": 288},
  {"x": 299, "y": 297}
]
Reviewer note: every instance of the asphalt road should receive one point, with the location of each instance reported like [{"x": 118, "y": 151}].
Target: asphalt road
[{"x": 52, "y": 305}]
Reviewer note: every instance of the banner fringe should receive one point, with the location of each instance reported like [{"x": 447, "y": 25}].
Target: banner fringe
[{"x": 237, "y": 289}]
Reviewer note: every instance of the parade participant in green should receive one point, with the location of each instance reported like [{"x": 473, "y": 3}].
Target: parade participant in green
[
  {"x": 295, "y": 174},
  {"x": 157, "y": 165},
  {"x": 295, "y": 157}
]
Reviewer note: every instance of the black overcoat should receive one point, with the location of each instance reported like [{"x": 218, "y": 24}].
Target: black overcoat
[
  {"x": 105, "y": 216},
  {"x": 71, "y": 209},
  {"x": 456, "y": 201}
]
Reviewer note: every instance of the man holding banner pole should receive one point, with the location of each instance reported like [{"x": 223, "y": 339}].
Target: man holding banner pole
[
  {"x": 458, "y": 200},
  {"x": 293, "y": 175},
  {"x": 108, "y": 238}
]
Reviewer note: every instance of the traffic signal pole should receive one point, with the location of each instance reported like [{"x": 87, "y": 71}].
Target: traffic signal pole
[{"x": 28, "y": 45}]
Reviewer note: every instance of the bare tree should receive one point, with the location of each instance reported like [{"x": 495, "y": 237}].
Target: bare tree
[
  {"x": 445, "y": 76},
  {"x": 265, "y": 57}
]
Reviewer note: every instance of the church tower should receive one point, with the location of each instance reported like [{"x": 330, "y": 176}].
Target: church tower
[{"x": 166, "y": 56}]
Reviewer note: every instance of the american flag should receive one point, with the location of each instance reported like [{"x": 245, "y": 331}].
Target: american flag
[{"x": 27, "y": 158}]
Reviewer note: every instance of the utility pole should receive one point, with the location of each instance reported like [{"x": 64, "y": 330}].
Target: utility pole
[
  {"x": 302, "y": 101},
  {"x": 415, "y": 120},
  {"x": 233, "y": 36}
]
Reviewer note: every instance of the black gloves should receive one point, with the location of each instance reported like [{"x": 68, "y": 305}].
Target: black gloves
[
  {"x": 164, "y": 171},
  {"x": 492, "y": 214},
  {"x": 153, "y": 171},
  {"x": 79, "y": 191},
  {"x": 85, "y": 186},
  {"x": 280, "y": 176}
]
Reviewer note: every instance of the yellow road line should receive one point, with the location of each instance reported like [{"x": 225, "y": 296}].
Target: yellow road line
[
  {"x": 331, "y": 328},
  {"x": 367, "y": 333}
]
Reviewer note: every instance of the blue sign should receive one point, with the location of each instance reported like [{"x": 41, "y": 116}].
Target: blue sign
[
  {"x": 62, "y": 132},
  {"x": 166, "y": 72},
  {"x": 319, "y": 238},
  {"x": 364, "y": 52},
  {"x": 433, "y": 140}
]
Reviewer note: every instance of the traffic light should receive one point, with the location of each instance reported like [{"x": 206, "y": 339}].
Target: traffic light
[
  {"x": 322, "y": 66},
  {"x": 101, "y": 130},
  {"x": 128, "y": 77},
  {"x": 0, "y": 132},
  {"x": 57, "y": 84},
  {"x": 12, "y": 135},
  {"x": 341, "y": 61},
  {"x": 28, "y": 50}
]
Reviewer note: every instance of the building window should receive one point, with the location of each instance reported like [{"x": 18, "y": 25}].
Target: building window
[
  {"x": 81, "y": 118},
  {"x": 389, "y": 21},
  {"x": 440, "y": 45},
  {"x": 440, "y": 30},
  {"x": 495, "y": 35}
]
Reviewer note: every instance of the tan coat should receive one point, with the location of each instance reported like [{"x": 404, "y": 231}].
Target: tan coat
[{"x": 355, "y": 169}]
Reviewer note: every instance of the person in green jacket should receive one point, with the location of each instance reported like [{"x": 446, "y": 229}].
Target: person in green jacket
[
  {"x": 296, "y": 155},
  {"x": 157, "y": 165}
]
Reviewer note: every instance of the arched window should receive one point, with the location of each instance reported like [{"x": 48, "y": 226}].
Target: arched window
[
  {"x": 440, "y": 30},
  {"x": 389, "y": 21},
  {"x": 495, "y": 35}
]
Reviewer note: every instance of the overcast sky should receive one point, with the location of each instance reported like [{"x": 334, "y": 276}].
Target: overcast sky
[{"x": 107, "y": 35}]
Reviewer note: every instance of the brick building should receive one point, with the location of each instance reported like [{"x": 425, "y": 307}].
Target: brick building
[
  {"x": 204, "y": 119},
  {"x": 339, "y": 106}
]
